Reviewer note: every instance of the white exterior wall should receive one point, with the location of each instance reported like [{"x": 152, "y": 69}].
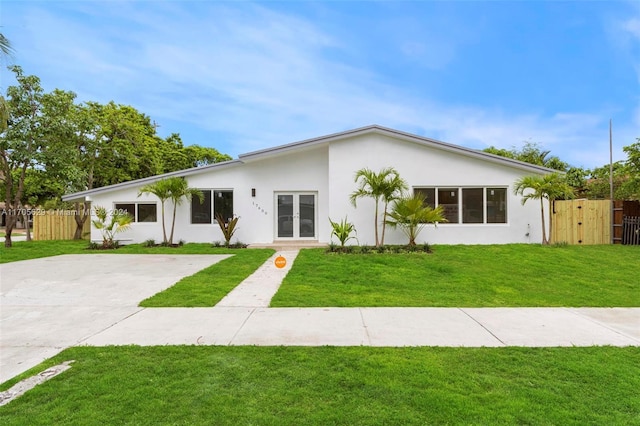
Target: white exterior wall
[
  {"x": 299, "y": 171},
  {"x": 424, "y": 166},
  {"x": 328, "y": 170}
]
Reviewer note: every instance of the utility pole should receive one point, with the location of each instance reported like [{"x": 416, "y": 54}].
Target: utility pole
[{"x": 611, "y": 178}]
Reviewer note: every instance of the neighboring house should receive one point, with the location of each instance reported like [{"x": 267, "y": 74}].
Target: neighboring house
[{"x": 289, "y": 192}]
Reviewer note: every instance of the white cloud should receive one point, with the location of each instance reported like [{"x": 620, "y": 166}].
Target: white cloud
[{"x": 264, "y": 78}]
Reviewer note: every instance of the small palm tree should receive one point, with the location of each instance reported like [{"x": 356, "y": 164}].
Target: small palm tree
[
  {"x": 120, "y": 222},
  {"x": 385, "y": 185},
  {"x": 411, "y": 214},
  {"x": 175, "y": 189},
  {"x": 549, "y": 187},
  {"x": 161, "y": 190}
]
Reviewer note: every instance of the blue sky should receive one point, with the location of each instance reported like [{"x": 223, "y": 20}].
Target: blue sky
[{"x": 241, "y": 76}]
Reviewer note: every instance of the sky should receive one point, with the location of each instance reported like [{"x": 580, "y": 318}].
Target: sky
[{"x": 241, "y": 76}]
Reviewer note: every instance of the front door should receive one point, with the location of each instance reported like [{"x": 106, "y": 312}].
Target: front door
[{"x": 296, "y": 215}]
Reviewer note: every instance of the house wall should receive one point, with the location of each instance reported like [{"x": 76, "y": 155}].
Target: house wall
[
  {"x": 426, "y": 166},
  {"x": 328, "y": 170},
  {"x": 299, "y": 171}
]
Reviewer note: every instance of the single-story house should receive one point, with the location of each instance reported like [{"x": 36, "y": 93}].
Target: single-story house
[{"x": 289, "y": 192}]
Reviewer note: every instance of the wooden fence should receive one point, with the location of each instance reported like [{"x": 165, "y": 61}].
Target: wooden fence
[
  {"x": 58, "y": 225},
  {"x": 581, "y": 222}
]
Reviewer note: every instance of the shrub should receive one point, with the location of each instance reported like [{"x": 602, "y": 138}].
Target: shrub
[
  {"x": 342, "y": 230},
  {"x": 149, "y": 243}
]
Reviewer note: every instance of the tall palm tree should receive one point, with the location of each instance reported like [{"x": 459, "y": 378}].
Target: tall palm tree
[
  {"x": 175, "y": 189},
  {"x": 385, "y": 185},
  {"x": 5, "y": 46},
  {"x": 6, "y": 50},
  {"x": 411, "y": 214},
  {"x": 549, "y": 187}
]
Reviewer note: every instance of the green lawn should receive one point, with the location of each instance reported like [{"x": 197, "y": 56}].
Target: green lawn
[
  {"x": 331, "y": 385},
  {"x": 467, "y": 276},
  {"x": 209, "y": 286}
]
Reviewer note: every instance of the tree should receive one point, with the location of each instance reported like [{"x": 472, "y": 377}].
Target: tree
[
  {"x": 33, "y": 140},
  {"x": 175, "y": 189},
  {"x": 5, "y": 46},
  {"x": 411, "y": 214},
  {"x": 531, "y": 153},
  {"x": 385, "y": 185},
  {"x": 549, "y": 187},
  {"x": 632, "y": 165},
  {"x": 161, "y": 190}
]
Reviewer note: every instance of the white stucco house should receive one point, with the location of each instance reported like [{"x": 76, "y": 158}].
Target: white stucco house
[{"x": 289, "y": 192}]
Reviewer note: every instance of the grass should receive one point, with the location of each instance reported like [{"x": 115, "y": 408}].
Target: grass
[
  {"x": 209, "y": 286},
  {"x": 467, "y": 276},
  {"x": 204, "y": 288},
  {"x": 336, "y": 385}
]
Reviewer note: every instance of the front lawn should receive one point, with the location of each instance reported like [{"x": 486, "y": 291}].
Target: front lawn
[
  {"x": 467, "y": 276},
  {"x": 335, "y": 385}
]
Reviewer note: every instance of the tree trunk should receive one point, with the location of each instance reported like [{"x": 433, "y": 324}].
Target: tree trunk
[
  {"x": 9, "y": 224},
  {"x": 25, "y": 221},
  {"x": 81, "y": 219},
  {"x": 375, "y": 223},
  {"x": 164, "y": 229},
  {"x": 173, "y": 223},
  {"x": 384, "y": 223}
]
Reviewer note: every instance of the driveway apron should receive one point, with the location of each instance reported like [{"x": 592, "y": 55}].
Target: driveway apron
[{"x": 53, "y": 303}]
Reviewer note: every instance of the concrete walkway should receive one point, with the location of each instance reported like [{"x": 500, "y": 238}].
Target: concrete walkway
[{"x": 53, "y": 303}]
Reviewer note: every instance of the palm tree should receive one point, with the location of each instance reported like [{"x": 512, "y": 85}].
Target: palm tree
[
  {"x": 5, "y": 45},
  {"x": 385, "y": 185},
  {"x": 411, "y": 214},
  {"x": 6, "y": 50},
  {"x": 175, "y": 189},
  {"x": 548, "y": 187},
  {"x": 161, "y": 190},
  {"x": 120, "y": 222}
]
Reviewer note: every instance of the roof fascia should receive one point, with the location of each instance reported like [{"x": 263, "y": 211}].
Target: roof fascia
[{"x": 86, "y": 195}]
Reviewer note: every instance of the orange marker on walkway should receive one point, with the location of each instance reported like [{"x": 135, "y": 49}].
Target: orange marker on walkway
[{"x": 280, "y": 262}]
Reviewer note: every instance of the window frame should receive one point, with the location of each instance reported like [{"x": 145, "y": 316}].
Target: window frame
[
  {"x": 213, "y": 194},
  {"x": 136, "y": 209}
]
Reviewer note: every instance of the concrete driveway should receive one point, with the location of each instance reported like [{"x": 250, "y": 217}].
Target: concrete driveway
[{"x": 56, "y": 302}]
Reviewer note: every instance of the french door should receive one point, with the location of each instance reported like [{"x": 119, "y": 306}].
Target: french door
[{"x": 296, "y": 215}]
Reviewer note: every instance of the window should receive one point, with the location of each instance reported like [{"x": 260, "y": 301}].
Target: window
[
  {"x": 214, "y": 202},
  {"x": 468, "y": 205},
  {"x": 496, "y": 205},
  {"x": 141, "y": 212},
  {"x": 429, "y": 195},
  {"x": 127, "y": 207},
  {"x": 201, "y": 210},
  {"x": 147, "y": 212},
  {"x": 223, "y": 204},
  {"x": 448, "y": 199},
  {"x": 472, "y": 205}
]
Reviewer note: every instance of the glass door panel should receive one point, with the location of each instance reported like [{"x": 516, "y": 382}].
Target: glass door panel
[
  {"x": 307, "y": 215},
  {"x": 285, "y": 216}
]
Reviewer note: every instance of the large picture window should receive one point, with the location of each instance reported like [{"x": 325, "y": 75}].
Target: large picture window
[
  {"x": 468, "y": 205},
  {"x": 141, "y": 212},
  {"x": 214, "y": 202}
]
